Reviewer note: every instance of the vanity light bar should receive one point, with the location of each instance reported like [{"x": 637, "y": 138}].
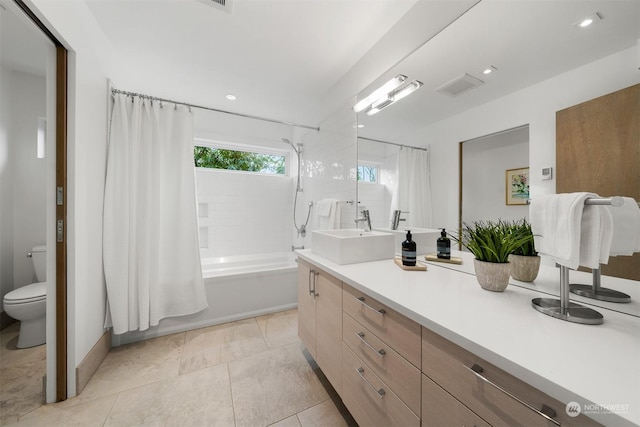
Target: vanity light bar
[
  {"x": 381, "y": 92},
  {"x": 393, "y": 97}
]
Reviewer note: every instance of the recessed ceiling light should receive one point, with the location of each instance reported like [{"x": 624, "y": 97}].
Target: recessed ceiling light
[
  {"x": 588, "y": 21},
  {"x": 490, "y": 69},
  {"x": 360, "y": 126},
  {"x": 231, "y": 97}
]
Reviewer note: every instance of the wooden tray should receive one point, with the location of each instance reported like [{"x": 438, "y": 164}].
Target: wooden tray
[
  {"x": 417, "y": 267},
  {"x": 452, "y": 260}
]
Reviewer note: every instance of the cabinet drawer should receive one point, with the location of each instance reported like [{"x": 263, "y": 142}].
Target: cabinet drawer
[
  {"x": 439, "y": 408},
  {"x": 498, "y": 397},
  {"x": 401, "y": 333},
  {"x": 393, "y": 369},
  {"x": 369, "y": 399}
]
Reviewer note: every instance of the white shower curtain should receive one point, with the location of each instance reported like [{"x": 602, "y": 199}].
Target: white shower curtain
[
  {"x": 150, "y": 235},
  {"x": 412, "y": 192}
]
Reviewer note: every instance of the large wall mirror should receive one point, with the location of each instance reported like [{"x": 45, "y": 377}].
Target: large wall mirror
[{"x": 523, "y": 44}]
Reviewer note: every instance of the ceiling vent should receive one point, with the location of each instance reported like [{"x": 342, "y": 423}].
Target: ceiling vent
[
  {"x": 459, "y": 85},
  {"x": 225, "y": 5}
]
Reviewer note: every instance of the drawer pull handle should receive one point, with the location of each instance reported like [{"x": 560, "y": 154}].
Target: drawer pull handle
[
  {"x": 379, "y": 353},
  {"x": 380, "y": 392},
  {"x": 477, "y": 371},
  {"x": 380, "y": 312}
]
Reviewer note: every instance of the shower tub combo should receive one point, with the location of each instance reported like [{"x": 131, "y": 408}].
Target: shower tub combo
[{"x": 237, "y": 287}]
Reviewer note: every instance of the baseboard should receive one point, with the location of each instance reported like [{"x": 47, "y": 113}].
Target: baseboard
[
  {"x": 6, "y": 320},
  {"x": 92, "y": 361}
]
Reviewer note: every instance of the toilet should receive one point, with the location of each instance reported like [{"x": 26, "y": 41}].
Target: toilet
[{"x": 28, "y": 304}]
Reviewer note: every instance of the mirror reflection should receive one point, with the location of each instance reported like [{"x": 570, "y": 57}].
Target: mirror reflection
[{"x": 502, "y": 65}]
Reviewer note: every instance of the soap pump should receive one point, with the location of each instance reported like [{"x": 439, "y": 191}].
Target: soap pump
[
  {"x": 409, "y": 251},
  {"x": 444, "y": 246}
]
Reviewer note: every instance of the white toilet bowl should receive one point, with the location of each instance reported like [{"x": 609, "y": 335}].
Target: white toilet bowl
[{"x": 28, "y": 304}]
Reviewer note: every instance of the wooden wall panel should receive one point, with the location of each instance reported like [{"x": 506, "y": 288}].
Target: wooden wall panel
[{"x": 598, "y": 150}]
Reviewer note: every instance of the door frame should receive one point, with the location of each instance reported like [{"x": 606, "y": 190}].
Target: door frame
[{"x": 61, "y": 342}]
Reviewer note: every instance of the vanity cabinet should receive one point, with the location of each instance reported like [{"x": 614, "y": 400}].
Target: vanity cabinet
[
  {"x": 370, "y": 400},
  {"x": 381, "y": 362},
  {"x": 320, "y": 319},
  {"x": 386, "y": 341},
  {"x": 391, "y": 371},
  {"x": 495, "y": 396}
]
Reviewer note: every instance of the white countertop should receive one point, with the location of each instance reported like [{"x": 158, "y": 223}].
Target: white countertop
[{"x": 587, "y": 364}]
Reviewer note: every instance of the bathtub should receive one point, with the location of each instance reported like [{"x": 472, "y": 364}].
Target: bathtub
[{"x": 237, "y": 287}]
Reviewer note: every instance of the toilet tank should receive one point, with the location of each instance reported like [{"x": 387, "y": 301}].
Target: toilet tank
[{"x": 39, "y": 258}]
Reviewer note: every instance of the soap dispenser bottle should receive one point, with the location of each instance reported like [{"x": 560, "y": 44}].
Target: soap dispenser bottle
[
  {"x": 444, "y": 246},
  {"x": 409, "y": 251}
]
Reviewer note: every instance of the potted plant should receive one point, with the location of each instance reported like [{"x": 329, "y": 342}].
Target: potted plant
[
  {"x": 525, "y": 261},
  {"x": 491, "y": 243}
]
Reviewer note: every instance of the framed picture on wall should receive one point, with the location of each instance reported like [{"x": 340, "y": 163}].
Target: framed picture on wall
[{"x": 517, "y": 186}]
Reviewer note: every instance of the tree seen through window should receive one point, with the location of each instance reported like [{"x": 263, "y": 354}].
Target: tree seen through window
[{"x": 217, "y": 158}]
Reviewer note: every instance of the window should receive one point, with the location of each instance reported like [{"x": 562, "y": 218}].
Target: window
[
  {"x": 368, "y": 173},
  {"x": 235, "y": 157}
]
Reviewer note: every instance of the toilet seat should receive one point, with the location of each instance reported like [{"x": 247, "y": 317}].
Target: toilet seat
[{"x": 30, "y": 293}]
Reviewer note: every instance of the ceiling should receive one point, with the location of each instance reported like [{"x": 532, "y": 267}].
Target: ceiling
[
  {"x": 279, "y": 57},
  {"x": 528, "y": 41},
  {"x": 298, "y": 60},
  {"x": 289, "y": 60}
]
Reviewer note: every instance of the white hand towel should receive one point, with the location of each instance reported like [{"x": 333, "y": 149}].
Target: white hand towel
[
  {"x": 556, "y": 223},
  {"x": 327, "y": 215},
  {"x": 596, "y": 231},
  {"x": 626, "y": 228},
  {"x": 323, "y": 208}
]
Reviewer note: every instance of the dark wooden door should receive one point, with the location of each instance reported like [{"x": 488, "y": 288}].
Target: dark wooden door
[{"x": 598, "y": 150}]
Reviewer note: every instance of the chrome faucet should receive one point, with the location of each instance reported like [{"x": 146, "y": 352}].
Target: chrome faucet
[
  {"x": 366, "y": 219},
  {"x": 395, "y": 221}
]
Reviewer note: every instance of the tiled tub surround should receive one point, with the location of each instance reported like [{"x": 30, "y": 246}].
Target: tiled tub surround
[
  {"x": 246, "y": 373},
  {"x": 237, "y": 287},
  {"x": 556, "y": 357}
]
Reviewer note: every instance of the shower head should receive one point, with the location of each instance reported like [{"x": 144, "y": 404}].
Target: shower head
[{"x": 297, "y": 150}]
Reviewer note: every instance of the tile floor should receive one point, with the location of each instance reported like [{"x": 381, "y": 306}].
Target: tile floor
[{"x": 247, "y": 373}]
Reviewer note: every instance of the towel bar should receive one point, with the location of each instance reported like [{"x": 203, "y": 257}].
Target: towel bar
[
  {"x": 594, "y": 291},
  {"x": 563, "y": 308}
]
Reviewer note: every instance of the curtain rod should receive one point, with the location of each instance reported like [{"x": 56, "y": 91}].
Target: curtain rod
[
  {"x": 393, "y": 143},
  {"x": 248, "y": 116}
]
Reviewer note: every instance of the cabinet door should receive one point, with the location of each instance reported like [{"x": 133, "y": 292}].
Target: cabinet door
[
  {"x": 306, "y": 307},
  {"x": 329, "y": 328},
  {"x": 439, "y": 408}
]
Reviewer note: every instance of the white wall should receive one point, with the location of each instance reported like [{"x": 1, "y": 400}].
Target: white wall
[
  {"x": 377, "y": 197},
  {"x": 6, "y": 183},
  {"x": 329, "y": 168},
  {"x": 89, "y": 67},
  {"x": 485, "y": 161},
  {"x": 29, "y": 173},
  {"x": 243, "y": 213},
  {"x": 536, "y": 106},
  {"x": 23, "y": 212}
]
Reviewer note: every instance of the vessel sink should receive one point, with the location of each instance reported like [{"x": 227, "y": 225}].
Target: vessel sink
[
  {"x": 426, "y": 238},
  {"x": 350, "y": 246}
]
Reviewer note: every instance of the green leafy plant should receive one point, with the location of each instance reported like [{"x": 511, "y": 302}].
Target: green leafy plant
[
  {"x": 522, "y": 229},
  {"x": 218, "y": 158},
  {"x": 490, "y": 241}
]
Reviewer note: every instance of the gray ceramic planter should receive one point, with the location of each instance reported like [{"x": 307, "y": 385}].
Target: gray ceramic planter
[
  {"x": 492, "y": 276},
  {"x": 524, "y": 268}
]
